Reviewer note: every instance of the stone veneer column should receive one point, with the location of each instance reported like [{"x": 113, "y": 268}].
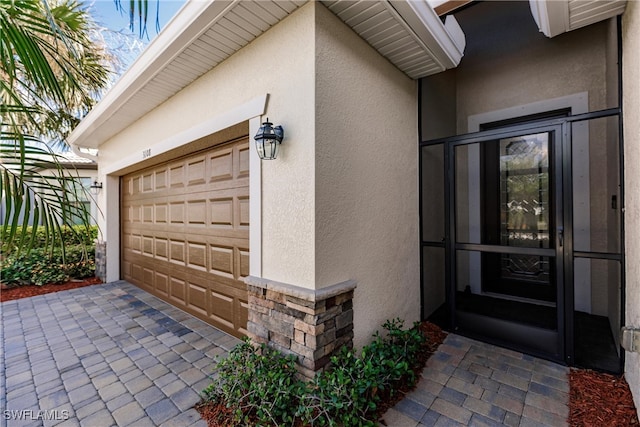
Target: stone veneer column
[
  {"x": 101, "y": 260},
  {"x": 311, "y": 324}
]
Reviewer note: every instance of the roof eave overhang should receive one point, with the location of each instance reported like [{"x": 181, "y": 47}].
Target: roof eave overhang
[
  {"x": 442, "y": 43},
  {"x": 555, "y": 17},
  {"x": 190, "y": 22},
  {"x": 445, "y": 41}
]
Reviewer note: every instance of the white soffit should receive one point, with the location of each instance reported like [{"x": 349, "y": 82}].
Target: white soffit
[
  {"x": 408, "y": 33},
  {"x": 556, "y": 17}
]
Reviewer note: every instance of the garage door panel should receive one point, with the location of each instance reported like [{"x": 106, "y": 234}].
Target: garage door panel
[
  {"x": 162, "y": 283},
  {"x": 243, "y": 162},
  {"x": 243, "y": 263},
  {"x": 242, "y": 209},
  {"x": 221, "y": 165},
  {"x": 176, "y": 176},
  {"x": 161, "y": 213},
  {"x": 197, "y": 255},
  {"x": 197, "y": 299},
  {"x": 178, "y": 291},
  {"x": 148, "y": 276},
  {"x": 147, "y": 245},
  {"x": 176, "y": 212},
  {"x": 221, "y": 210},
  {"x": 147, "y": 213},
  {"x": 177, "y": 252},
  {"x": 160, "y": 180},
  {"x": 223, "y": 305},
  {"x": 136, "y": 243},
  {"x": 221, "y": 260},
  {"x": 196, "y": 212},
  {"x": 147, "y": 182},
  {"x": 185, "y": 233},
  {"x": 196, "y": 171},
  {"x": 161, "y": 248}
]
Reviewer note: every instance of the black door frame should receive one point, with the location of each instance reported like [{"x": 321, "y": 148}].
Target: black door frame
[{"x": 562, "y": 127}]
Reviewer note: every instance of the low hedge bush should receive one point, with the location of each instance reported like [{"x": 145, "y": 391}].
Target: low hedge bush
[
  {"x": 40, "y": 267},
  {"x": 259, "y": 386},
  {"x": 76, "y": 235}
]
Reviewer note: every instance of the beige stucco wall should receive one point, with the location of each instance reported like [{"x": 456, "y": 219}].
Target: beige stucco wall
[
  {"x": 508, "y": 62},
  {"x": 288, "y": 202},
  {"x": 366, "y": 177},
  {"x": 341, "y": 201},
  {"x": 631, "y": 110}
]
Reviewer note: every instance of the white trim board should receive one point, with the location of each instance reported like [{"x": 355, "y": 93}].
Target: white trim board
[{"x": 242, "y": 113}]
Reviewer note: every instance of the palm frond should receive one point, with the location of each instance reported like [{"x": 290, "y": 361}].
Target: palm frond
[
  {"x": 37, "y": 190},
  {"x": 50, "y": 71}
]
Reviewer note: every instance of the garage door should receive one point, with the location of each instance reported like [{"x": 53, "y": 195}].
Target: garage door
[{"x": 185, "y": 233}]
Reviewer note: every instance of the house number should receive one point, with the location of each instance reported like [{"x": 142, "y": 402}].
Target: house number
[{"x": 146, "y": 153}]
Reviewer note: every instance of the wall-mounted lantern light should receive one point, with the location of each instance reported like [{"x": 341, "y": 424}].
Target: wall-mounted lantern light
[
  {"x": 268, "y": 139},
  {"x": 95, "y": 187}
]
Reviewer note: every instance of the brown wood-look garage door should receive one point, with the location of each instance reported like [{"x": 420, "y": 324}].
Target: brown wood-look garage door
[{"x": 185, "y": 233}]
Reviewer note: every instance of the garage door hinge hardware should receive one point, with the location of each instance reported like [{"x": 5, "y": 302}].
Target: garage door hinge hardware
[{"x": 630, "y": 339}]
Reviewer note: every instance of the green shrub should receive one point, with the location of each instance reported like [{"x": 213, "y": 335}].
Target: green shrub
[
  {"x": 259, "y": 386},
  {"x": 75, "y": 235},
  {"x": 347, "y": 394},
  {"x": 39, "y": 267},
  {"x": 344, "y": 395}
]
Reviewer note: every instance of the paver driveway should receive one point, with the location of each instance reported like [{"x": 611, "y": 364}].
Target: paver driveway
[
  {"x": 104, "y": 355},
  {"x": 113, "y": 354}
]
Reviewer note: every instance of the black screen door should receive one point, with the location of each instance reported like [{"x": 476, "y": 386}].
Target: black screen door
[{"x": 506, "y": 237}]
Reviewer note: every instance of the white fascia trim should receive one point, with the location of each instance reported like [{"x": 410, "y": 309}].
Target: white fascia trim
[
  {"x": 445, "y": 42},
  {"x": 552, "y": 17},
  {"x": 76, "y": 150},
  {"x": 253, "y": 108},
  {"x": 192, "y": 20}
]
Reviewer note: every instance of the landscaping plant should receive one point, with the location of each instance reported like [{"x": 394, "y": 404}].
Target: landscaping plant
[
  {"x": 259, "y": 385},
  {"x": 39, "y": 267},
  {"x": 43, "y": 265}
]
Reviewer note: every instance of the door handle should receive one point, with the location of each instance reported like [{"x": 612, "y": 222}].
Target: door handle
[{"x": 560, "y": 236}]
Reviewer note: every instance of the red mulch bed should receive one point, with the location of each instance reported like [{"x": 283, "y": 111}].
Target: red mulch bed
[
  {"x": 597, "y": 399},
  {"x": 33, "y": 290}
]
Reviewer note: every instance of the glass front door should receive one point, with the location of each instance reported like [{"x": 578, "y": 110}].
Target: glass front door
[{"x": 507, "y": 238}]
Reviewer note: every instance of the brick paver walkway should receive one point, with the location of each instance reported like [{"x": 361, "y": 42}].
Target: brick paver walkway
[
  {"x": 467, "y": 382},
  {"x": 104, "y": 355},
  {"x": 113, "y": 354}
]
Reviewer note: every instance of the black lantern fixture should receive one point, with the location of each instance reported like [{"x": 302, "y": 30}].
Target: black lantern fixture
[
  {"x": 95, "y": 187},
  {"x": 268, "y": 139}
]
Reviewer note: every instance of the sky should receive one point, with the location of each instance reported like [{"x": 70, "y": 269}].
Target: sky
[
  {"x": 125, "y": 44},
  {"x": 107, "y": 13}
]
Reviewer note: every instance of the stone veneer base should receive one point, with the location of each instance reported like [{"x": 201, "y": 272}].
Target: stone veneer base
[
  {"x": 101, "y": 260},
  {"x": 311, "y": 324}
]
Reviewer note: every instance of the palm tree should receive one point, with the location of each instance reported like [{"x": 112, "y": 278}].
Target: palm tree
[{"x": 50, "y": 75}]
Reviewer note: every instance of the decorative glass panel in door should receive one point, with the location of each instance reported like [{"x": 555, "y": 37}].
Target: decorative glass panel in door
[{"x": 518, "y": 216}]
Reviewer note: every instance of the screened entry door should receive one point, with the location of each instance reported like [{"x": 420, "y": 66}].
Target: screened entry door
[
  {"x": 522, "y": 232},
  {"x": 507, "y": 236}
]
